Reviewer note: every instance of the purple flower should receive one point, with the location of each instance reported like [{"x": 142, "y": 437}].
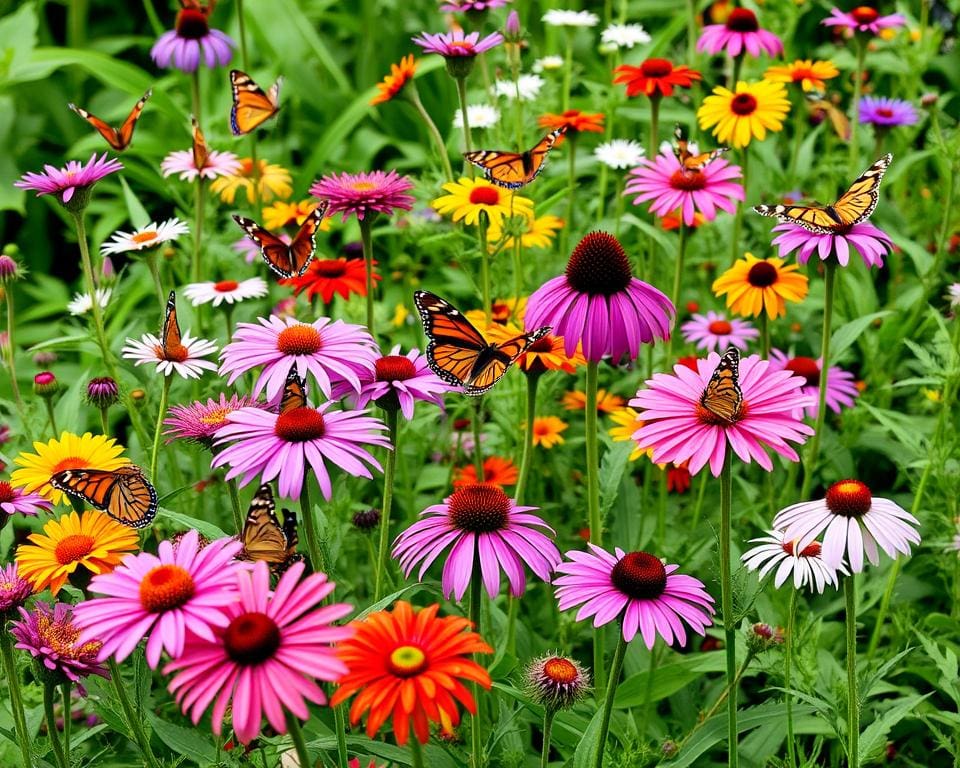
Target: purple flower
[
  {"x": 841, "y": 387},
  {"x": 14, "y": 590},
  {"x": 199, "y": 421},
  {"x": 740, "y": 34},
  {"x": 183, "y": 162},
  {"x": 479, "y": 523},
  {"x": 713, "y": 332},
  {"x": 75, "y": 176},
  {"x": 464, "y": 6},
  {"x": 885, "y": 112},
  {"x": 863, "y": 18},
  {"x": 182, "y": 46},
  {"x": 362, "y": 193},
  {"x": 867, "y": 240},
  {"x": 456, "y": 44},
  {"x": 14, "y": 500}
]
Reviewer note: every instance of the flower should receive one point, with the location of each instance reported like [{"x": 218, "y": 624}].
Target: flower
[
  {"x": 467, "y": 198},
  {"x": 282, "y": 214},
  {"x": 753, "y": 285},
  {"x": 607, "y": 402},
  {"x": 866, "y": 239},
  {"x": 92, "y": 541},
  {"x": 216, "y": 163},
  {"x": 9, "y": 269},
  {"x": 456, "y": 44},
  {"x": 186, "y": 358},
  {"x": 547, "y": 354},
  {"x": 393, "y": 84},
  {"x": 556, "y": 682},
  {"x": 806, "y": 565},
  {"x": 145, "y": 237},
  {"x": 809, "y": 74},
  {"x": 669, "y": 185},
  {"x": 655, "y": 77},
  {"x": 478, "y": 116},
  {"x": 713, "y": 332},
  {"x": 268, "y": 658},
  {"x": 191, "y": 37},
  {"x": 863, "y": 18},
  {"x": 625, "y": 35},
  {"x": 45, "y": 384},
  {"x": 548, "y": 64},
  {"x": 364, "y": 193},
  {"x": 497, "y": 471},
  {"x": 327, "y": 277},
  {"x": 274, "y": 181},
  {"x": 16, "y": 500},
  {"x": 269, "y": 445},
  {"x": 852, "y": 521},
  {"x": 628, "y": 421},
  {"x": 14, "y": 590},
  {"x": 680, "y": 429},
  {"x": 67, "y": 452},
  {"x": 953, "y": 294},
  {"x": 619, "y": 153},
  {"x": 884, "y": 112},
  {"x": 600, "y": 304},
  {"x": 557, "y": 17},
  {"x": 466, "y": 6},
  {"x": 739, "y": 35},
  {"x": 329, "y": 350},
  {"x": 81, "y": 303},
  {"x": 573, "y": 121},
  {"x": 841, "y": 387},
  {"x": 199, "y": 421},
  {"x": 74, "y": 177},
  {"x": 229, "y": 291},
  {"x": 678, "y": 478},
  {"x": 747, "y": 112},
  {"x": 408, "y": 664},
  {"x": 526, "y": 88},
  {"x": 636, "y": 588},
  {"x": 539, "y": 233},
  {"x": 546, "y": 431}
]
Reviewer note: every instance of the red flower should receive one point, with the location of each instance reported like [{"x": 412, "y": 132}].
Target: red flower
[
  {"x": 574, "y": 121},
  {"x": 678, "y": 478},
  {"x": 325, "y": 277},
  {"x": 655, "y": 77},
  {"x": 496, "y": 471}
]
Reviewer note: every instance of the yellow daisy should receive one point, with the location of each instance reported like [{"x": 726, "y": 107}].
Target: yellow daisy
[
  {"x": 809, "y": 74},
  {"x": 753, "y": 285},
  {"x": 281, "y": 214},
  {"x": 746, "y": 113},
  {"x": 539, "y": 233},
  {"x": 607, "y": 402},
  {"x": 467, "y": 198},
  {"x": 69, "y": 452},
  {"x": 275, "y": 181},
  {"x": 503, "y": 312},
  {"x": 628, "y": 421},
  {"x": 91, "y": 540},
  {"x": 546, "y": 431}
]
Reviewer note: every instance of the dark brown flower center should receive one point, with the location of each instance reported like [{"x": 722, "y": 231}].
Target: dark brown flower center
[
  {"x": 6, "y": 492},
  {"x": 849, "y": 498},
  {"x": 166, "y": 587},
  {"x": 656, "y": 68},
  {"x": 599, "y": 265},
  {"x": 742, "y": 20},
  {"x": 806, "y": 367},
  {"x": 192, "y": 24},
  {"x": 251, "y": 638},
  {"x": 762, "y": 274},
  {"x": 479, "y": 508},
  {"x": 300, "y": 425},
  {"x": 688, "y": 181},
  {"x": 864, "y": 14},
  {"x": 395, "y": 368},
  {"x": 640, "y": 575},
  {"x": 300, "y": 339},
  {"x": 743, "y": 104},
  {"x": 330, "y": 267},
  {"x": 720, "y": 328}
]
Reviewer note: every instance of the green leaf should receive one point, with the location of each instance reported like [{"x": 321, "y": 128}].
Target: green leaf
[
  {"x": 667, "y": 680},
  {"x": 586, "y": 754},
  {"x": 138, "y": 214},
  {"x": 402, "y": 594},
  {"x": 873, "y": 740},
  {"x": 848, "y": 333},
  {"x": 612, "y": 466},
  {"x": 206, "y": 528},
  {"x": 187, "y": 742}
]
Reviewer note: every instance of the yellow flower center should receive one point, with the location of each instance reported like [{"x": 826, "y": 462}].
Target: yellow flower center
[
  {"x": 407, "y": 661},
  {"x": 73, "y": 548},
  {"x": 217, "y": 416},
  {"x": 166, "y": 587},
  {"x": 363, "y": 186},
  {"x": 61, "y": 638}
]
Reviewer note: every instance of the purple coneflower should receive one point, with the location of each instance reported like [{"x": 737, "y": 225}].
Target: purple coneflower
[
  {"x": 884, "y": 112},
  {"x": 216, "y": 164},
  {"x": 190, "y": 38},
  {"x": 199, "y": 421},
  {"x": 476, "y": 6},
  {"x": 16, "y": 500},
  {"x": 869, "y": 241},
  {"x": 863, "y": 18},
  {"x": 739, "y": 35},
  {"x": 841, "y": 386},
  {"x": 364, "y": 193},
  {"x": 456, "y": 44},
  {"x": 75, "y": 177},
  {"x": 805, "y": 565},
  {"x": 714, "y": 332}
]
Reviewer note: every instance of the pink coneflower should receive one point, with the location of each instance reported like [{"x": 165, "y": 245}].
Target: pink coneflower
[
  {"x": 665, "y": 181},
  {"x": 75, "y": 176},
  {"x": 456, "y": 44},
  {"x": 805, "y": 565},
  {"x": 680, "y": 429},
  {"x": 637, "y": 588},
  {"x": 190, "y": 39},
  {"x": 598, "y": 303},
  {"x": 183, "y": 588},
  {"x": 199, "y": 421},
  {"x": 740, "y": 34},
  {"x": 16, "y": 500},
  {"x": 863, "y": 18},
  {"x": 841, "y": 385},
  {"x": 714, "y": 332},
  {"x": 364, "y": 193},
  {"x": 869, "y": 241},
  {"x": 330, "y": 350},
  {"x": 480, "y": 524},
  {"x": 269, "y": 656},
  {"x": 216, "y": 164},
  {"x": 14, "y": 590},
  {"x": 186, "y": 359},
  {"x": 852, "y": 521},
  {"x": 477, "y": 6},
  {"x": 229, "y": 291},
  {"x": 268, "y": 445},
  {"x": 884, "y": 112}
]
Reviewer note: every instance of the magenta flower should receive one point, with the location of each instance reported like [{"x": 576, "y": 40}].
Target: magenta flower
[
  {"x": 274, "y": 648},
  {"x": 637, "y": 588},
  {"x": 670, "y": 186},
  {"x": 884, "y": 112},
  {"x": 14, "y": 590},
  {"x": 863, "y": 18},
  {"x": 598, "y": 303},
  {"x": 364, "y": 193},
  {"x": 199, "y": 421},
  {"x": 190, "y": 39},
  {"x": 330, "y": 350},
  {"x": 740, "y": 34},
  {"x": 680, "y": 429},
  {"x": 217, "y": 163},
  {"x": 75, "y": 176},
  {"x": 805, "y": 565},
  {"x": 713, "y": 332},
  {"x": 841, "y": 386},
  {"x": 477, "y": 6},
  {"x": 866, "y": 239},
  {"x": 478, "y": 521},
  {"x": 16, "y": 500},
  {"x": 456, "y": 44}
]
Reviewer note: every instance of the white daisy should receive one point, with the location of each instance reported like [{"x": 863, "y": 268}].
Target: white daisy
[
  {"x": 561, "y": 18},
  {"x": 667, "y": 146},
  {"x": 548, "y": 63},
  {"x": 953, "y": 293},
  {"x": 479, "y": 115},
  {"x": 146, "y": 237},
  {"x": 625, "y": 35},
  {"x": 187, "y": 360},
  {"x": 527, "y": 87},
  {"x": 619, "y": 153},
  {"x": 806, "y": 565},
  {"x": 229, "y": 291},
  {"x": 82, "y": 304}
]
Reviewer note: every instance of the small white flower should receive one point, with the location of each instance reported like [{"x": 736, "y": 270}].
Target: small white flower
[
  {"x": 619, "y": 153},
  {"x": 82, "y": 304},
  {"x": 548, "y": 63},
  {"x": 667, "y": 147},
  {"x": 187, "y": 360},
  {"x": 625, "y": 35},
  {"x": 229, "y": 291},
  {"x": 561, "y": 18},
  {"x": 953, "y": 293},
  {"x": 527, "y": 87},
  {"x": 146, "y": 237},
  {"x": 807, "y": 566},
  {"x": 479, "y": 115}
]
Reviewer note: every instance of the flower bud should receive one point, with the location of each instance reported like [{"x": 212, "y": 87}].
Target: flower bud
[
  {"x": 45, "y": 358},
  {"x": 366, "y": 520},
  {"x": 9, "y": 269},
  {"x": 762, "y": 637},
  {"x": 107, "y": 270},
  {"x": 102, "y": 392},
  {"x": 556, "y": 682},
  {"x": 511, "y": 30},
  {"x": 929, "y": 100},
  {"x": 138, "y": 396},
  {"x": 45, "y": 384}
]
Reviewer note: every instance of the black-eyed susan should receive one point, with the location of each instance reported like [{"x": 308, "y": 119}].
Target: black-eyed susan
[
  {"x": 468, "y": 198},
  {"x": 746, "y": 113},
  {"x": 547, "y": 431},
  {"x": 809, "y": 75},
  {"x": 753, "y": 285},
  {"x": 538, "y": 232}
]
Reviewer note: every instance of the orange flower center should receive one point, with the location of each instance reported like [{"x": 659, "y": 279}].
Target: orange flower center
[
  {"x": 144, "y": 237},
  {"x": 460, "y": 44},
  {"x": 484, "y": 196},
  {"x": 6, "y": 492},
  {"x": 479, "y": 508},
  {"x": 849, "y": 498},
  {"x": 803, "y": 73},
  {"x": 540, "y": 429},
  {"x": 71, "y": 462},
  {"x": 225, "y": 286},
  {"x": 688, "y": 181},
  {"x": 300, "y": 339},
  {"x": 72, "y": 548},
  {"x": 743, "y": 104},
  {"x": 251, "y": 638},
  {"x": 639, "y": 575},
  {"x": 217, "y": 416},
  {"x": 166, "y": 587},
  {"x": 330, "y": 267},
  {"x": 811, "y": 550},
  {"x": 720, "y": 328},
  {"x": 864, "y": 14},
  {"x": 656, "y": 68},
  {"x": 560, "y": 671},
  {"x": 395, "y": 368},
  {"x": 806, "y": 367},
  {"x": 176, "y": 353},
  {"x": 742, "y": 20},
  {"x": 762, "y": 274},
  {"x": 407, "y": 661},
  {"x": 300, "y": 425},
  {"x": 61, "y": 638}
]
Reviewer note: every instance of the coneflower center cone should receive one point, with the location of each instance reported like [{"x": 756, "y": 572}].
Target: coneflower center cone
[
  {"x": 811, "y": 550},
  {"x": 166, "y": 587},
  {"x": 251, "y": 638},
  {"x": 743, "y": 104},
  {"x": 300, "y": 339},
  {"x": 656, "y": 68},
  {"x": 849, "y": 498},
  {"x": 742, "y": 20},
  {"x": 864, "y": 14},
  {"x": 192, "y": 24},
  {"x": 720, "y": 328},
  {"x": 640, "y": 575},
  {"x": 806, "y": 367},
  {"x": 479, "y": 508},
  {"x": 300, "y": 425},
  {"x": 599, "y": 265},
  {"x": 762, "y": 275}
]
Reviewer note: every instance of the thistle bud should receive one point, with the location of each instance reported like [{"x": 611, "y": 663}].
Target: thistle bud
[
  {"x": 556, "y": 682},
  {"x": 762, "y": 637},
  {"x": 102, "y": 392},
  {"x": 45, "y": 384},
  {"x": 9, "y": 269}
]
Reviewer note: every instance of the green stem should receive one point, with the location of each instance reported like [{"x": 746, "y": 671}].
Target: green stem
[
  {"x": 467, "y": 144},
  {"x": 567, "y": 71},
  {"x": 151, "y": 259},
  {"x": 67, "y": 720},
  {"x": 618, "y": 207},
  {"x": 477, "y": 424},
  {"x": 155, "y": 24},
  {"x": 340, "y": 726},
  {"x": 548, "y": 715},
  {"x": 390, "y": 465},
  {"x": 764, "y": 336},
  {"x": 691, "y": 30},
  {"x": 532, "y": 380},
  {"x": 853, "y": 696},
  {"x": 738, "y": 215},
  {"x": 652, "y": 153},
  {"x": 594, "y": 523},
  {"x": 476, "y": 727},
  {"x": 48, "y": 690},
  {"x": 698, "y": 505},
  {"x": 517, "y": 267},
  {"x": 675, "y": 293},
  {"x": 652, "y": 664},
  {"x": 411, "y": 94},
  {"x": 104, "y": 422},
  {"x": 243, "y": 36},
  {"x": 513, "y": 607},
  {"x": 299, "y": 743},
  {"x": 16, "y": 700},
  {"x": 155, "y": 453},
  {"x": 235, "y": 505},
  {"x": 787, "y": 672},
  {"x": 11, "y": 362},
  {"x": 416, "y": 752},
  {"x": 366, "y": 237},
  {"x": 799, "y": 128},
  {"x": 133, "y": 719},
  {"x": 484, "y": 267},
  {"x": 310, "y": 528},
  {"x": 615, "y": 668},
  {"x": 228, "y": 320},
  {"x": 854, "y": 158},
  {"x": 571, "y": 188},
  {"x": 200, "y": 189},
  {"x": 51, "y": 415},
  {"x": 726, "y": 599}
]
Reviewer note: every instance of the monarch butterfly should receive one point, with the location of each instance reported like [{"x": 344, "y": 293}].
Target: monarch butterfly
[
  {"x": 200, "y": 151},
  {"x": 251, "y": 106},
  {"x": 264, "y": 537},
  {"x": 723, "y": 396},
  {"x": 124, "y": 493},
  {"x": 286, "y": 260},
  {"x": 294, "y": 392},
  {"x": 170, "y": 338},
  {"x": 689, "y": 158},
  {"x": 118, "y": 138},
  {"x": 514, "y": 169},
  {"x": 458, "y": 353},
  {"x": 852, "y": 207}
]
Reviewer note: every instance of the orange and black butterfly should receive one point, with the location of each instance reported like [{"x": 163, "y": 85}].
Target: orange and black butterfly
[
  {"x": 200, "y": 150},
  {"x": 688, "y": 157},
  {"x": 264, "y": 537},
  {"x": 287, "y": 260},
  {"x": 123, "y": 493},
  {"x": 170, "y": 338},
  {"x": 294, "y": 392},
  {"x": 118, "y": 138},
  {"x": 251, "y": 106},
  {"x": 723, "y": 396},
  {"x": 458, "y": 353},
  {"x": 514, "y": 169}
]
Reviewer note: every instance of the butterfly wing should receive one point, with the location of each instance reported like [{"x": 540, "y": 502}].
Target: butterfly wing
[
  {"x": 124, "y": 494},
  {"x": 701, "y": 161},
  {"x": 251, "y": 106},
  {"x": 294, "y": 392},
  {"x": 513, "y": 170},
  {"x": 200, "y": 150},
  {"x": 126, "y": 130},
  {"x": 303, "y": 247},
  {"x": 108, "y": 132},
  {"x": 455, "y": 345},
  {"x": 493, "y": 363},
  {"x": 273, "y": 250},
  {"x": 170, "y": 336},
  {"x": 263, "y": 537},
  {"x": 723, "y": 396},
  {"x": 290, "y": 534},
  {"x": 813, "y": 218}
]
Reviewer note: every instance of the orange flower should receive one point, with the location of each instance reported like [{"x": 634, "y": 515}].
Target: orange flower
[
  {"x": 496, "y": 471},
  {"x": 607, "y": 402},
  {"x": 409, "y": 665},
  {"x": 672, "y": 220},
  {"x": 574, "y": 121},
  {"x": 326, "y": 277},
  {"x": 400, "y": 75},
  {"x": 546, "y": 431},
  {"x": 808, "y": 74}
]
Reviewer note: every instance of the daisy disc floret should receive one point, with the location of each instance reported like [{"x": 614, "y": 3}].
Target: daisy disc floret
[{"x": 805, "y": 566}]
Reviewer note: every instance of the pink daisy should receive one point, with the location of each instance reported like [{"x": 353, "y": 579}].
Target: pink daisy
[
  {"x": 636, "y": 588},
  {"x": 805, "y": 565},
  {"x": 713, "y": 332},
  {"x": 217, "y": 164},
  {"x": 670, "y": 186},
  {"x": 841, "y": 386},
  {"x": 867, "y": 240},
  {"x": 680, "y": 429},
  {"x": 16, "y": 500},
  {"x": 191, "y": 38},
  {"x": 199, "y": 421},
  {"x": 456, "y": 44},
  {"x": 330, "y": 350},
  {"x": 863, "y": 18},
  {"x": 183, "y": 588},
  {"x": 740, "y": 34},
  {"x": 66, "y": 181},
  {"x": 268, "y": 658},
  {"x": 364, "y": 193},
  {"x": 480, "y": 524},
  {"x": 852, "y": 521},
  {"x": 600, "y": 304}
]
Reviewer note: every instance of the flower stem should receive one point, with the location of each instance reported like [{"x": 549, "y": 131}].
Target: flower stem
[
  {"x": 67, "y": 720},
  {"x": 151, "y": 259},
  {"x": 11, "y": 362},
  {"x": 593, "y": 455},
  {"x": 525, "y": 461},
  {"x": 567, "y": 71},
  {"x": 548, "y": 715},
  {"x": 310, "y": 528},
  {"x": 484, "y": 267},
  {"x": 764, "y": 336},
  {"x": 799, "y": 126},
  {"x": 235, "y": 504},
  {"x": 410, "y": 91},
  {"x": 651, "y": 154},
  {"x": 48, "y": 691},
  {"x": 571, "y": 188},
  {"x": 51, "y": 414},
  {"x": 340, "y": 726},
  {"x": 104, "y": 422},
  {"x": 199, "y": 196},
  {"x": 854, "y": 158},
  {"x": 366, "y": 236},
  {"x": 615, "y": 668},
  {"x": 618, "y": 207},
  {"x": 513, "y": 607},
  {"x": 853, "y": 696},
  {"x": 787, "y": 671},
  {"x": 675, "y": 294},
  {"x": 155, "y": 453},
  {"x": 391, "y": 416},
  {"x": 299, "y": 743},
  {"x": 476, "y": 424},
  {"x": 517, "y": 267},
  {"x": 133, "y": 719},
  {"x": 738, "y": 216},
  {"x": 16, "y": 700},
  {"x": 476, "y": 726},
  {"x": 462, "y": 93},
  {"x": 726, "y": 599},
  {"x": 416, "y": 752}
]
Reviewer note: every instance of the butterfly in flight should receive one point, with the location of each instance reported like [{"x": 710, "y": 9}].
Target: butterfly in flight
[
  {"x": 200, "y": 151},
  {"x": 723, "y": 396},
  {"x": 459, "y": 354},
  {"x": 264, "y": 537},
  {"x": 287, "y": 260},
  {"x": 686, "y": 153},
  {"x": 118, "y": 138},
  {"x": 123, "y": 493},
  {"x": 852, "y": 207},
  {"x": 514, "y": 169},
  {"x": 251, "y": 106}
]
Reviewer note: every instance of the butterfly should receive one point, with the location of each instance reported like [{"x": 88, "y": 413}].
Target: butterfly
[
  {"x": 171, "y": 340},
  {"x": 123, "y": 493},
  {"x": 514, "y": 169},
  {"x": 200, "y": 150},
  {"x": 459, "y": 354},
  {"x": 264, "y": 537},
  {"x": 251, "y": 106},
  {"x": 287, "y": 260},
  {"x": 852, "y": 207},
  {"x": 294, "y": 392},
  {"x": 723, "y": 396},
  {"x": 686, "y": 152},
  {"x": 118, "y": 138},
  {"x": 822, "y": 107}
]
